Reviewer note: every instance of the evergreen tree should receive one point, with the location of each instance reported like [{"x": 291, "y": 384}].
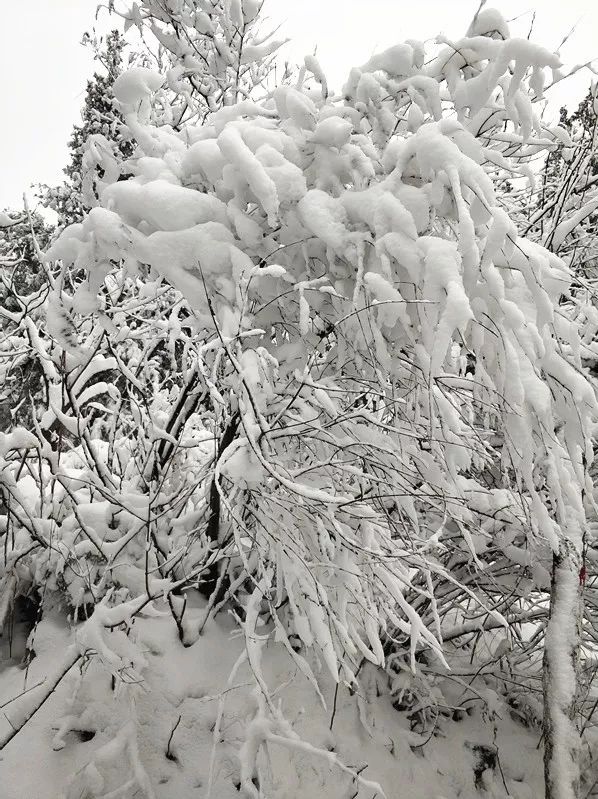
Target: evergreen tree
[
  {"x": 570, "y": 172},
  {"x": 102, "y": 123},
  {"x": 22, "y": 278}
]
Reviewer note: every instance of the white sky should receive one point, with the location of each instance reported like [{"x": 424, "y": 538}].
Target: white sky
[{"x": 44, "y": 67}]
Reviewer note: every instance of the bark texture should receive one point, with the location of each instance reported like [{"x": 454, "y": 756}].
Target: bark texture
[{"x": 560, "y": 678}]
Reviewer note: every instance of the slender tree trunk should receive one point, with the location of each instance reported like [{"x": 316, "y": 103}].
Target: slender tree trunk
[
  {"x": 560, "y": 673},
  {"x": 210, "y": 577}
]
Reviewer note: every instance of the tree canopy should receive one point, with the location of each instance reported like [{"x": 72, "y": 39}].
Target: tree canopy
[{"x": 303, "y": 361}]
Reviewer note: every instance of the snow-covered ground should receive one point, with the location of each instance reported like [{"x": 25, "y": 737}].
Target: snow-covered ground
[{"x": 187, "y": 724}]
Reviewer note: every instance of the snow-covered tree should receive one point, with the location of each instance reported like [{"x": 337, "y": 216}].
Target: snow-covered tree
[
  {"x": 100, "y": 128},
  {"x": 213, "y": 52},
  {"x": 22, "y": 235},
  {"x": 299, "y": 364}
]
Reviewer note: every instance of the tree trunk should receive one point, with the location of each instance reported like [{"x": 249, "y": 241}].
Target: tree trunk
[
  {"x": 560, "y": 673},
  {"x": 211, "y": 574}
]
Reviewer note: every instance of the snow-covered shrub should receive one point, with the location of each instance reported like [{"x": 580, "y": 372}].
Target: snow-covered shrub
[
  {"x": 212, "y": 52},
  {"x": 343, "y": 399}
]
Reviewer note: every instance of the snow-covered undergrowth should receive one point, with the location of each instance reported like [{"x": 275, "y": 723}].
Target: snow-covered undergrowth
[
  {"x": 299, "y": 366},
  {"x": 190, "y": 722}
]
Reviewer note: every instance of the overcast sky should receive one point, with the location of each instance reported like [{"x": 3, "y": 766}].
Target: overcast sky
[{"x": 44, "y": 67}]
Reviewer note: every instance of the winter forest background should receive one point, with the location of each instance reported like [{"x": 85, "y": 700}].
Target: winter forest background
[{"x": 297, "y": 419}]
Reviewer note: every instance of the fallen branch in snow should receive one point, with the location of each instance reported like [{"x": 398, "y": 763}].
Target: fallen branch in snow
[
  {"x": 302, "y": 746},
  {"x": 35, "y": 702}
]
